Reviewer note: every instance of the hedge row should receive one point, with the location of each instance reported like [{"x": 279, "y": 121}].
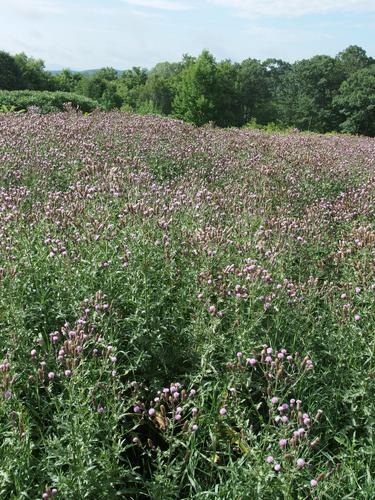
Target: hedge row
[{"x": 18, "y": 100}]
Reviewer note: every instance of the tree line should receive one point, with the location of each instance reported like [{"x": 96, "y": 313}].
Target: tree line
[{"x": 320, "y": 94}]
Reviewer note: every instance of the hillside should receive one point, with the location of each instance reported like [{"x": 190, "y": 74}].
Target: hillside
[{"x": 185, "y": 312}]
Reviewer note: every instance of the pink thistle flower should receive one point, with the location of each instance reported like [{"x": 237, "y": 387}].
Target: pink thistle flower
[
  {"x": 151, "y": 412},
  {"x": 223, "y": 412},
  {"x": 277, "y": 467},
  {"x": 269, "y": 459},
  {"x": 300, "y": 463},
  {"x": 313, "y": 483},
  {"x": 283, "y": 443}
]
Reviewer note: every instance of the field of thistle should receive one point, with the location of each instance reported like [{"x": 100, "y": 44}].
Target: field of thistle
[{"x": 184, "y": 312}]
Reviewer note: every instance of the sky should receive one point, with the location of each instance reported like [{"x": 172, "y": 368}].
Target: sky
[{"x": 86, "y": 34}]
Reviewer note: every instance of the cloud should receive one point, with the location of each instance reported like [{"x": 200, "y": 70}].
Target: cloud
[
  {"x": 294, "y": 8},
  {"x": 174, "y": 5}
]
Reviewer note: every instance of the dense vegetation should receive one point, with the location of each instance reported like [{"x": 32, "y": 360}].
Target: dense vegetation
[
  {"x": 45, "y": 101},
  {"x": 321, "y": 94},
  {"x": 184, "y": 312}
]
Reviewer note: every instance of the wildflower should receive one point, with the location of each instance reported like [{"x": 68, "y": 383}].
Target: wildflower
[
  {"x": 192, "y": 393},
  {"x": 300, "y": 463},
  {"x": 33, "y": 353},
  {"x": 151, "y": 412},
  {"x": 51, "y": 375},
  {"x": 67, "y": 373},
  {"x": 274, "y": 400},
  {"x": 194, "y": 427},
  {"x": 223, "y": 412},
  {"x": 357, "y": 317},
  {"x": 283, "y": 443},
  {"x": 251, "y": 361},
  {"x": 239, "y": 355},
  {"x": 269, "y": 459},
  {"x": 194, "y": 411},
  {"x": 277, "y": 467},
  {"x": 313, "y": 483},
  {"x": 100, "y": 408},
  {"x": 178, "y": 417},
  {"x": 8, "y": 394}
]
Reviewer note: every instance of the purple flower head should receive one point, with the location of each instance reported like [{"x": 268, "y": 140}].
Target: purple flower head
[
  {"x": 300, "y": 463},
  {"x": 151, "y": 412},
  {"x": 194, "y": 427},
  {"x": 137, "y": 409},
  {"x": 277, "y": 467},
  {"x": 239, "y": 355},
  {"x": 223, "y": 411},
  {"x": 51, "y": 375},
  {"x": 274, "y": 400},
  {"x": 251, "y": 361},
  {"x": 178, "y": 417},
  {"x": 313, "y": 483},
  {"x": 8, "y": 394},
  {"x": 269, "y": 459},
  {"x": 283, "y": 443}
]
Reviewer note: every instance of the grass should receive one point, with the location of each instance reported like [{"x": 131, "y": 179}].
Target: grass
[{"x": 160, "y": 286}]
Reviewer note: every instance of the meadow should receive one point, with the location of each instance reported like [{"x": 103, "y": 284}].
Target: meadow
[{"x": 184, "y": 312}]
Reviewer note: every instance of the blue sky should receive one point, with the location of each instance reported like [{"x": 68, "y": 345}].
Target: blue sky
[{"x": 83, "y": 34}]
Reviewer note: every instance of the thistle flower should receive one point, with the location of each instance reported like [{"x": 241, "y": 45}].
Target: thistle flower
[
  {"x": 300, "y": 463},
  {"x": 223, "y": 411}
]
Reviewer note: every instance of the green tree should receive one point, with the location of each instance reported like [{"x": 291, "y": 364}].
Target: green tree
[
  {"x": 196, "y": 93},
  {"x": 353, "y": 59},
  {"x": 356, "y": 102},
  {"x": 228, "y": 97},
  {"x": 130, "y": 85},
  {"x": 254, "y": 91},
  {"x": 67, "y": 80},
  {"x": 307, "y": 92},
  {"x": 158, "y": 92},
  {"x": 33, "y": 74},
  {"x": 10, "y": 75}
]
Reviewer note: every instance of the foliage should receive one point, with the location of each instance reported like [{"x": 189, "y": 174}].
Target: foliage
[
  {"x": 356, "y": 102},
  {"x": 46, "y": 102},
  {"x": 201, "y": 90},
  {"x": 10, "y": 75},
  {"x": 184, "y": 312}
]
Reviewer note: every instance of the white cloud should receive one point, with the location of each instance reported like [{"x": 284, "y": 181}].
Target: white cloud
[
  {"x": 174, "y": 5},
  {"x": 294, "y": 8}
]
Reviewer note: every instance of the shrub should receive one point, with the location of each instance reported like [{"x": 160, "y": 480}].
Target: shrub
[{"x": 45, "y": 101}]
